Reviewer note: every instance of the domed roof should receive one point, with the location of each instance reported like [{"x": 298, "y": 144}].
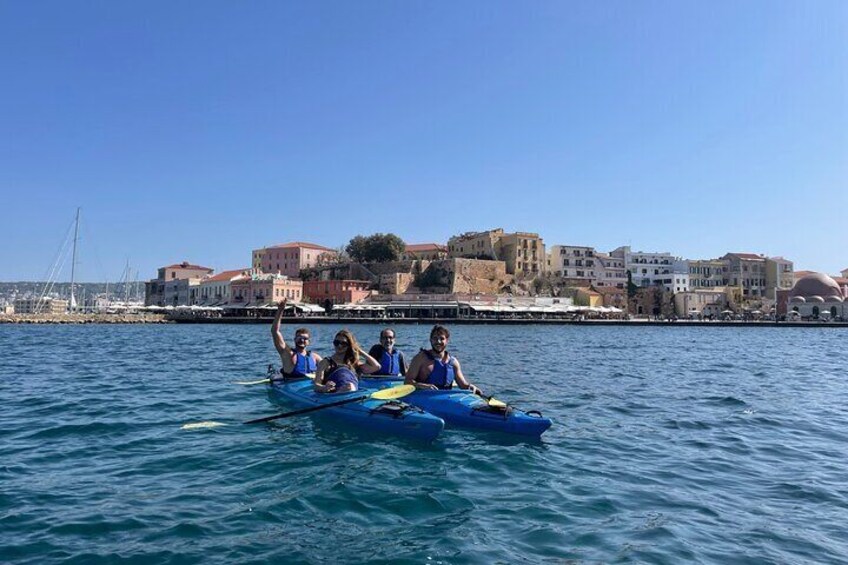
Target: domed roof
[
  {"x": 815, "y": 299},
  {"x": 816, "y": 284},
  {"x": 798, "y": 299}
]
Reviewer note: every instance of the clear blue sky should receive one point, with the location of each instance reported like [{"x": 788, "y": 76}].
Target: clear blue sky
[{"x": 202, "y": 130}]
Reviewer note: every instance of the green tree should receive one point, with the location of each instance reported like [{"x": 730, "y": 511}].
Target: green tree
[
  {"x": 631, "y": 286},
  {"x": 376, "y": 248}
]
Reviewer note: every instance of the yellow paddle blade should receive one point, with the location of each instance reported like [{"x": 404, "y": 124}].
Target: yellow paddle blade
[
  {"x": 267, "y": 380},
  {"x": 497, "y": 403},
  {"x": 199, "y": 425},
  {"x": 394, "y": 392}
]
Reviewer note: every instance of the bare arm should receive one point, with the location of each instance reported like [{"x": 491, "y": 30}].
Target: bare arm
[
  {"x": 414, "y": 370},
  {"x": 371, "y": 365},
  {"x": 318, "y": 383},
  {"x": 279, "y": 342},
  {"x": 460, "y": 379}
]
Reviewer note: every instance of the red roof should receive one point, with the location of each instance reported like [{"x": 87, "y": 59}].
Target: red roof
[
  {"x": 418, "y": 247},
  {"x": 293, "y": 244},
  {"x": 187, "y": 265},
  {"x": 226, "y": 275}
]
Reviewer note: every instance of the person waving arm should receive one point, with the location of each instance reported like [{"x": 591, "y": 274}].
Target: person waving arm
[{"x": 280, "y": 344}]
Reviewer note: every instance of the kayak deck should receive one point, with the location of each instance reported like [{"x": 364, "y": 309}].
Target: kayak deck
[
  {"x": 462, "y": 408},
  {"x": 382, "y": 416}
]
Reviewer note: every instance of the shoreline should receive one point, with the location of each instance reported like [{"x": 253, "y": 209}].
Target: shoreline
[{"x": 83, "y": 319}]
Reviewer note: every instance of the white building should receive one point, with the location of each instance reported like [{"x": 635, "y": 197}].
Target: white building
[
  {"x": 575, "y": 262},
  {"x": 655, "y": 269},
  {"x": 215, "y": 290}
]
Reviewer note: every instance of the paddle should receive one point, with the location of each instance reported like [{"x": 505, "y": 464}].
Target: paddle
[
  {"x": 385, "y": 394},
  {"x": 268, "y": 380}
]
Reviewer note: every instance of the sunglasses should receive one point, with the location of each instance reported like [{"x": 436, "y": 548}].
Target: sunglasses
[
  {"x": 301, "y": 338},
  {"x": 339, "y": 343}
]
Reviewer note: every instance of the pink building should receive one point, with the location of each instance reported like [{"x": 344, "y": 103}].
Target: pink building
[
  {"x": 264, "y": 289},
  {"x": 289, "y": 258},
  {"x": 336, "y": 292}
]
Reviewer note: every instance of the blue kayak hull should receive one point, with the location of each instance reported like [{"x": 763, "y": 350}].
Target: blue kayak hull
[
  {"x": 464, "y": 409},
  {"x": 380, "y": 416}
]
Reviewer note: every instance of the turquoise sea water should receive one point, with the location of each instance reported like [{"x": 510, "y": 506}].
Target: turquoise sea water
[{"x": 713, "y": 445}]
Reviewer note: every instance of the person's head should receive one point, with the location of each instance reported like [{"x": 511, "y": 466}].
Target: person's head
[
  {"x": 387, "y": 339},
  {"x": 345, "y": 344},
  {"x": 301, "y": 338},
  {"x": 439, "y": 337}
]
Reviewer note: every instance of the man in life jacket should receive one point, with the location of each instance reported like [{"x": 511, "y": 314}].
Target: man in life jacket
[
  {"x": 435, "y": 368},
  {"x": 392, "y": 361},
  {"x": 298, "y": 362}
]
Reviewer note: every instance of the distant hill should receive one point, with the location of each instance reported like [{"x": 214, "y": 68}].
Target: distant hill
[{"x": 25, "y": 289}]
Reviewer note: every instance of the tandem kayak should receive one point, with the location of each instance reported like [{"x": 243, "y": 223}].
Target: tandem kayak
[
  {"x": 464, "y": 409},
  {"x": 382, "y": 416}
]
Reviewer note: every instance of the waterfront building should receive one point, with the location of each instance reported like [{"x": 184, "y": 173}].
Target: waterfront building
[
  {"x": 816, "y": 296},
  {"x": 290, "y": 258},
  {"x": 155, "y": 289},
  {"x": 700, "y": 302},
  {"x": 328, "y": 293},
  {"x": 522, "y": 252},
  {"x": 264, "y": 289},
  {"x": 574, "y": 263},
  {"x": 180, "y": 292},
  {"x": 612, "y": 296},
  {"x": 746, "y": 271},
  {"x": 475, "y": 245},
  {"x": 425, "y": 251},
  {"x": 215, "y": 290},
  {"x": 649, "y": 269},
  {"x": 585, "y": 296},
  {"x": 844, "y": 273},
  {"x": 610, "y": 272},
  {"x": 46, "y": 305},
  {"x": 779, "y": 276},
  {"x": 707, "y": 273}
]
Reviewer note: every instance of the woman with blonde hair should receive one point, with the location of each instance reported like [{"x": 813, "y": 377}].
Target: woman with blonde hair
[{"x": 337, "y": 373}]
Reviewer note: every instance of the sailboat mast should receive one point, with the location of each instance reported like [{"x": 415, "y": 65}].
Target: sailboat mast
[{"x": 72, "y": 305}]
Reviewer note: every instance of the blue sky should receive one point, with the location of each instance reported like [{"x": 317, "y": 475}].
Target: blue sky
[{"x": 202, "y": 130}]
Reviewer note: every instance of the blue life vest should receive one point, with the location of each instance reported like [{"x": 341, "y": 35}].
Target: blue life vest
[
  {"x": 443, "y": 372},
  {"x": 303, "y": 364},
  {"x": 341, "y": 375},
  {"x": 390, "y": 363}
]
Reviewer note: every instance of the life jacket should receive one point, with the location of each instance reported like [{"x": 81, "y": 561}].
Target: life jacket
[
  {"x": 341, "y": 375},
  {"x": 303, "y": 364},
  {"x": 390, "y": 363},
  {"x": 443, "y": 372}
]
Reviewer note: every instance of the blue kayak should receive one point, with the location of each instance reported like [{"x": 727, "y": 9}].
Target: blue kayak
[
  {"x": 464, "y": 409},
  {"x": 382, "y": 416}
]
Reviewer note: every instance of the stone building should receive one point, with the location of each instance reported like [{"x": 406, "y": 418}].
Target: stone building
[
  {"x": 700, "y": 302},
  {"x": 522, "y": 252},
  {"x": 746, "y": 271},
  {"x": 289, "y": 259},
  {"x": 779, "y": 275},
  {"x": 425, "y": 251},
  {"x": 164, "y": 290}
]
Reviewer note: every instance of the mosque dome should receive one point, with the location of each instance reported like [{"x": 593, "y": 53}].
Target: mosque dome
[
  {"x": 818, "y": 299},
  {"x": 797, "y": 299},
  {"x": 816, "y": 285}
]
